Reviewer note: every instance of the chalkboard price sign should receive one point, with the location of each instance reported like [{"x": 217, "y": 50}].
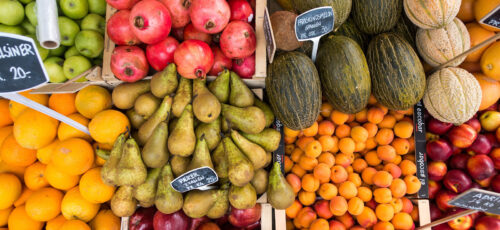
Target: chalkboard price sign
[
  {"x": 478, "y": 199},
  {"x": 279, "y": 154},
  {"x": 268, "y": 33},
  {"x": 194, "y": 179},
  {"x": 21, "y": 67},
  {"x": 313, "y": 24},
  {"x": 492, "y": 18},
  {"x": 420, "y": 150}
]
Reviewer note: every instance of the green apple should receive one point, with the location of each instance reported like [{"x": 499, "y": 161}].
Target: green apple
[
  {"x": 89, "y": 43},
  {"x": 11, "y": 12},
  {"x": 25, "y": 1},
  {"x": 30, "y": 29},
  {"x": 93, "y": 22},
  {"x": 44, "y": 53},
  {"x": 30, "y": 11},
  {"x": 490, "y": 120},
  {"x": 97, "y": 7},
  {"x": 54, "y": 68},
  {"x": 74, "y": 9},
  {"x": 68, "y": 30},
  {"x": 75, "y": 65},
  {"x": 72, "y": 51},
  {"x": 12, "y": 29},
  {"x": 58, "y": 52}
]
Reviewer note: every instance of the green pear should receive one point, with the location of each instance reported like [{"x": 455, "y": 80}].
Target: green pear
[
  {"x": 219, "y": 159},
  {"x": 125, "y": 94},
  {"x": 279, "y": 193},
  {"x": 269, "y": 139},
  {"x": 146, "y": 104},
  {"x": 211, "y": 132},
  {"x": 182, "y": 96},
  {"x": 220, "y": 86},
  {"x": 155, "y": 153},
  {"x": 161, "y": 114},
  {"x": 123, "y": 203},
  {"x": 135, "y": 119},
  {"x": 131, "y": 169},
  {"x": 182, "y": 140},
  {"x": 249, "y": 120},
  {"x": 167, "y": 199},
  {"x": 109, "y": 171},
  {"x": 268, "y": 112},
  {"x": 255, "y": 153},
  {"x": 201, "y": 155},
  {"x": 197, "y": 203},
  {"x": 179, "y": 165},
  {"x": 240, "y": 169},
  {"x": 260, "y": 180},
  {"x": 243, "y": 197},
  {"x": 206, "y": 106},
  {"x": 146, "y": 192},
  {"x": 164, "y": 82},
  {"x": 221, "y": 206},
  {"x": 240, "y": 95}
]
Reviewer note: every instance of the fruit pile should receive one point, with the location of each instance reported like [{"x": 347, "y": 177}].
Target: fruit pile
[
  {"x": 181, "y": 132},
  {"x": 353, "y": 170},
  {"x": 206, "y": 37},
  {"x": 81, "y": 27},
  {"x": 49, "y": 172},
  {"x": 463, "y": 157}
]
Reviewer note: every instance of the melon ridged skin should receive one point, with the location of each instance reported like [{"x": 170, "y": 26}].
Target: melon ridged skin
[
  {"x": 341, "y": 8},
  {"x": 431, "y": 14},
  {"x": 376, "y": 16},
  {"x": 294, "y": 90},
  {"x": 350, "y": 30},
  {"x": 398, "y": 78},
  {"x": 406, "y": 29},
  {"x": 437, "y": 46},
  {"x": 453, "y": 95},
  {"x": 344, "y": 74}
]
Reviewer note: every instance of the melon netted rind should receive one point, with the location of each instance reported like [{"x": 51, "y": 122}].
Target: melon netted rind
[
  {"x": 376, "y": 16},
  {"x": 453, "y": 95},
  {"x": 431, "y": 14},
  {"x": 437, "y": 46}
]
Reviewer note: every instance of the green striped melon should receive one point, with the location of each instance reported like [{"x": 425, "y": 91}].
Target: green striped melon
[
  {"x": 344, "y": 74},
  {"x": 294, "y": 90},
  {"x": 376, "y": 16},
  {"x": 453, "y": 95},
  {"x": 341, "y": 8},
  {"x": 437, "y": 46},
  {"x": 406, "y": 29},
  {"x": 398, "y": 78},
  {"x": 431, "y": 14},
  {"x": 349, "y": 29}
]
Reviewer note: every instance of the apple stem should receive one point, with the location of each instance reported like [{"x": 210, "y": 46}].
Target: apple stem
[
  {"x": 209, "y": 25},
  {"x": 139, "y": 22}
]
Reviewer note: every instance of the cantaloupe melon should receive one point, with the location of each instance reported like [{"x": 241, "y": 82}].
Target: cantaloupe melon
[
  {"x": 453, "y": 95},
  {"x": 437, "y": 46},
  {"x": 431, "y": 14}
]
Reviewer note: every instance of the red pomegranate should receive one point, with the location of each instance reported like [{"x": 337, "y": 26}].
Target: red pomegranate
[
  {"x": 238, "y": 40},
  {"x": 119, "y": 31},
  {"x": 221, "y": 62},
  {"x": 241, "y": 10},
  {"x": 244, "y": 67},
  {"x": 209, "y": 16},
  {"x": 192, "y": 33},
  {"x": 122, "y": 4},
  {"x": 150, "y": 21},
  {"x": 194, "y": 59},
  {"x": 128, "y": 63},
  {"x": 162, "y": 53},
  {"x": 179, "y": 10}
]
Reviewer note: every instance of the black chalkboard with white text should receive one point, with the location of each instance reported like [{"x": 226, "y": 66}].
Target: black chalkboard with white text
[
  {"x": 21, "y": 67},
  {"x": 194, "y": 179},
  {"x": 492, "y": 18},
  {"x": 314, "y": 23},
  {"x": 478, "y": 199}
]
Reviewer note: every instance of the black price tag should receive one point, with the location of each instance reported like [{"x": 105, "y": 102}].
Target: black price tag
[
  {"x": 478, "y": 199},
  {"x": 313, "y": 24},
  {"x": 194, "y": 179},
  {"x": 420, "y": 152},
  {"x": 279, "y": 154},
  {"x": 268, "y": 33},
  {"x": 21, "y": 67},
  {"x": 492, "y": 18}
]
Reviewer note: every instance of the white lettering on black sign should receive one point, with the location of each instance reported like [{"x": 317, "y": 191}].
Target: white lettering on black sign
[
  {"x": 21, "y": 67},
  {"x": 194, "y": 179},
  {"x": 492, "y": 18},
  {"x": 420, "y": 151},
  {"x": 478, "y": 199},
  {"x": 314, "y": 23}
]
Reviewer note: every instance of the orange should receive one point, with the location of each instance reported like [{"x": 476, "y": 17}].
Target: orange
[
  {"x": 307, "y": 198},
  {"x": 5, "y": 119},
  {"x": 490, "y": 61},
  {"x": 15, "y": 108},
  {"x": 359, "y": 134},
  {"x": 365, "y": 194},
  {"x": 290, "y": 132},
  {"x": 319, "y": 224},
  {"x": 309, "y": 183},
  {"x": 16, "y": 170},
  {"x": 14, "y": 154},
  {"x": 326, "y": 109},
  {"x": 401, "y": 145},
  {"x": 482, "y": 8},
  {"x": 388, "y": 122},
  {"x": 34, "y": 130},
  {"x": 93, "y": 189},
  {"x": 382, "y": 195},
  {"x": 477, "y": 35},
  {"x": 490, "y": 90},
  {"x": 338, "y": 206},
  {"x": 347, "y": 145},
  {"x": 327, "y": 191},
  {"x": 343, "y": 131},
  {"x": 74, "y": 206},
  {"x": 91, "y": 100},
  {"x": 74, "y": 225},
  {"x": 4, "y": 215},
  {"x": 384, "y": 136},
  {"x": 403, "y": 129},
  {"x": 55, "y": 223},
  {"x": 19, "y": 220},
  {"x": 367, "y": 218},
  {"x": 45, "y": 154},
  {"x": 311, "y": 131},
  {"x": 382, "y": 179},
  {"x": 355, "y": 206},
  {"x": 105, "y": 220},
  {"x": 326, "y": 128},
  {"x": 348, "y": 190},
  {"x": 10, "y": 190},
  {"x": 338, "y": 174},
  {"x": 322, "y": 172},
  {"x": 472, "y": 67},
  {"x": 73, "y": 156},
  {"x": 102, "y": 132},
  {"x": 328, "y": 143},
  {"x": 381, "y": 225},
  {"x": 65, "y": 131},
  {"x": 4, "y": 133},
  {"x": 402, "y": 220},
  {"x": 60, "y": 180},
  {"x": 293, "y": 210},
  {"x": 338, "y": 117},
  {"x": 412, "y": 184},
  {"x": 398, "y": 188},
  {"x": 384, "y": 212},
  {"x": 44, "y": 204},
  {"x": 34, "y": 176},
  {"x": 63, "y": 103},
  {"x": 313, "y": 149},
  {"x": 466, "y": 12},
  {"x": 23, "y": 197},
  {"x": 295, "y": 182},
  {"x": 407, "y": 167}
]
